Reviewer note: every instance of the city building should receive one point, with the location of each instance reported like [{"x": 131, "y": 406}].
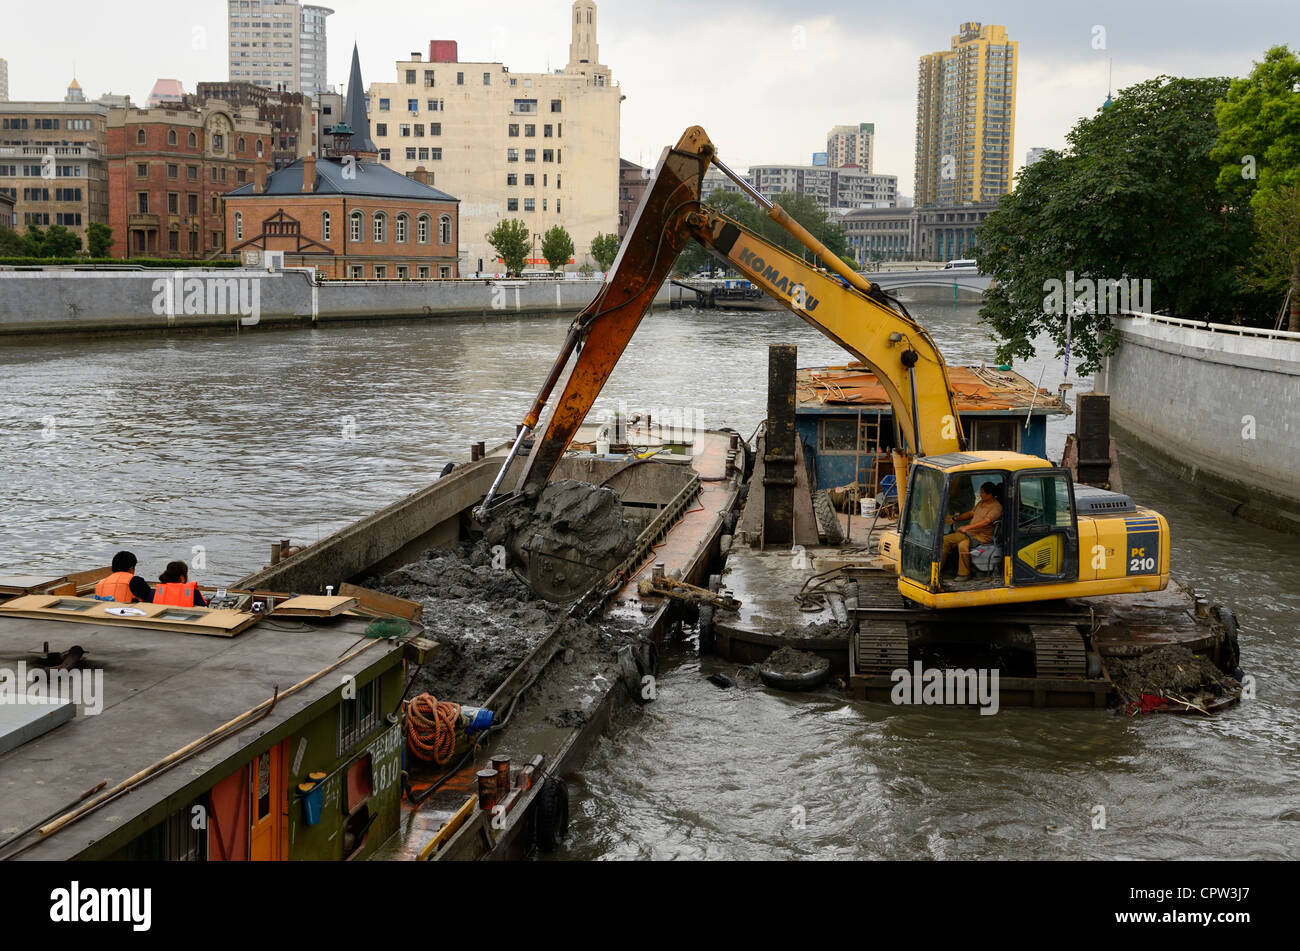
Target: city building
[
  {"x": 539, "y": 147},
  {"x": 327, "y": 109},
  {"x": 164, "y": 91},
  {"x": 948, "y": 232},
  {"x": 875, "y": 235},
  {"x": 4, "y": 80},
  {"x": 850, "y": 145},
  {"x": 834, "y": 189},
  {"x": 74, "y": 93},
  {"x": 291, "y": 115},
  {"x": 1033, "y": 155},
  {"x": 965, "y": 118},
  {"x": 7, "y": 204},
  {"x": 168, "y": 169},
  {"x": 632, "y": 182},
  {"x": 348, "y": 216},
  {"x": 53, "y": 163},
  {"x": 715, "y": 181},
  {"x": 278, "y": 44}
]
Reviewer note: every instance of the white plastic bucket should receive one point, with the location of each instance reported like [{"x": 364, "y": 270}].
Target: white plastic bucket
[{"x": 868, "y": 507}]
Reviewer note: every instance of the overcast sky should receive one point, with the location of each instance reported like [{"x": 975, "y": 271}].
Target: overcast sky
[{"x": 766, "y": 78}]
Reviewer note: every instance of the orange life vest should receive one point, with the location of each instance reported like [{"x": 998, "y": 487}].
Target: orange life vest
[
  {"x": 179, "y": 594},
  {"x": 116, "y": 586}
]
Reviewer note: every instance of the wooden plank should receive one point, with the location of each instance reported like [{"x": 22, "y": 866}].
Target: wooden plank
[
  {"x": 26, "y": 584},
  {"x": 382, "y": 603},
  {"x": 315, "y": 605}
]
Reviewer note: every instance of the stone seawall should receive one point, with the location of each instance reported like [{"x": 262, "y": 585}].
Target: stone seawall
[
  {"x": 1220, "y": 406},
  {"x": 35, "y": 304}
]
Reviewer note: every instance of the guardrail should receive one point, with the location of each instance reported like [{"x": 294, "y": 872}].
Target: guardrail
[{"x": 1232, "y": 329}]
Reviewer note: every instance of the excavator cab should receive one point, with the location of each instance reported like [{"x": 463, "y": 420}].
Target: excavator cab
[{"x": 1036, "y": 545}]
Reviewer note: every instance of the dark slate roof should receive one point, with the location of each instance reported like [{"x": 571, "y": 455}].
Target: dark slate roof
[
  {"x": 371, "y": 178},
  {"x": 354, "y": 111}
]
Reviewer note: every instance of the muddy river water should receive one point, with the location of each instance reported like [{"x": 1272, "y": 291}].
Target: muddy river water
[{"x": 207, "y": 449}]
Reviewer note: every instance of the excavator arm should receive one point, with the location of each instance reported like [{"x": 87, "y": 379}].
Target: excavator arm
[{"x": 840, "y": 303}]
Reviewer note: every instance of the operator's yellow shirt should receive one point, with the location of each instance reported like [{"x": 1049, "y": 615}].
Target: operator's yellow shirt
[{"x": 991, "y": 510}]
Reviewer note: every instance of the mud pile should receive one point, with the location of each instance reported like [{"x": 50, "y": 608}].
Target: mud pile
[
  {"x": 1169, "y": 671},
  {"x": 792, "y": 662},
  {"x": 486, "y": 623},
  {"x": 572, "y": 520}
]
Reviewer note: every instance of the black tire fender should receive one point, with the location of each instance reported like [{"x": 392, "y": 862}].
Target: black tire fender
[{"x": 551, "y": 817}]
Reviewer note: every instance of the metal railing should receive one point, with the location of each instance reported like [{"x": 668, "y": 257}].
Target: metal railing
[{"x": 1231, "y": 329}]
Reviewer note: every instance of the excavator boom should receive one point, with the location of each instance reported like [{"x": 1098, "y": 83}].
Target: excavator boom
[{"x": 836, "y": 300}]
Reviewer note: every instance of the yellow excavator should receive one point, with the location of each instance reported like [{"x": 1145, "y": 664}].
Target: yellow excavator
[{"x": 1043, "y": 548}]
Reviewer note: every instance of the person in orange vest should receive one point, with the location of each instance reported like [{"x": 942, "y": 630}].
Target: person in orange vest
[
  {"x": 123, "y": 584},
  {"x": 174, "y": 587}
]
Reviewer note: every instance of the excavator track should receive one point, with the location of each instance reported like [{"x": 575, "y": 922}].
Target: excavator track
[
  {"x": 1059, "y": 652},
  {"x": 882, "y": 648}
]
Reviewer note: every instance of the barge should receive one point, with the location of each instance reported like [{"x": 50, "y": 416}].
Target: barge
[{"x": 263, "y": 729}]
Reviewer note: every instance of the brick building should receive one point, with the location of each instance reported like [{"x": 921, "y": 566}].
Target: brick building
[
  {"x": 348, "y": 219},
  {"x": 168, "y": 170},
  {"x": 291, "y": 115},
  {"x": 632, "y": 182}
]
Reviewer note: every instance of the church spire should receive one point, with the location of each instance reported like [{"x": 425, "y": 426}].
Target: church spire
[{"x": 354, "y": 111}]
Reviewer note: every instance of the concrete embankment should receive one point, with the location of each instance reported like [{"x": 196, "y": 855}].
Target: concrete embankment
[
  {"x": 35, "y": 304},
  {"x": 1215, "y": 404}
]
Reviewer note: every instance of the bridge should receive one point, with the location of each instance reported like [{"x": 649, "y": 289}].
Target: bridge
[{"x": 964, "y": 278}]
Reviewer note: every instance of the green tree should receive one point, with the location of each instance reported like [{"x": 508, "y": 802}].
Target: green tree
[
  {"x": 1133, "y": 197},
  {"x": 557, "y": 247},
  {"x": 604, "y": 248},
  {"x": 11, "y": 243},
  {"x": 510, "y": 238},
  {"x": 1275, "y": 265},
  {"x": 99, "y": 238},
  {"x": 1259, "y": 128}
]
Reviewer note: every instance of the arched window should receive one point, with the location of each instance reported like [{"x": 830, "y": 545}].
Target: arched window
[
  {"x": 239, "y": 226},
  {"x": 240, "y": 144},
  {"x": 422, "y": 229},
  {"x": 139, "y": 136},
  {"x": 171, "y": 136},
  {"x": 444, "y": 229},
  {"x": 399, "y": 228},
  {"x": 259, "y": 148},
  {"x": 325, "y": 226},
  {"x": 356, "y": 222},
  {"x": 194, "y": 140},
  {"x": 381, "y": 227}
]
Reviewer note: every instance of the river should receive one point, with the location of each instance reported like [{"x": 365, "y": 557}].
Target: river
[{"x": 209, "y": 448}]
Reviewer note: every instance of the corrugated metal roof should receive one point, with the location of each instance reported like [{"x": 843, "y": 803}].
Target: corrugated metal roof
[{"x": 977, "y": 390}]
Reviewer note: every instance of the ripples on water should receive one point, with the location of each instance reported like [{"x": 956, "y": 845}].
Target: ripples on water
[{"x": 160, "y": 445}]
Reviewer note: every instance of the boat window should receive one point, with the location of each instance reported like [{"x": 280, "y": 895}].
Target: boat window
[
  {"x": 180, "y": 616},
  {"x": 996, "y": 435},
  {"x": 839, "y": 435},
  {"x": 69, "y": 604}
]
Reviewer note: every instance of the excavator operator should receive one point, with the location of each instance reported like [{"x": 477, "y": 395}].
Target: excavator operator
[{"x": 982, "y": 517}]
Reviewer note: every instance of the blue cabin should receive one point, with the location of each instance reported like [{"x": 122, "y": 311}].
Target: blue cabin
[{"x": 846, "y": 425}]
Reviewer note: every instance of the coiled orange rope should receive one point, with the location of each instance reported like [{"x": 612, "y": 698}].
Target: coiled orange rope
[{"x": 431, "y": 727}]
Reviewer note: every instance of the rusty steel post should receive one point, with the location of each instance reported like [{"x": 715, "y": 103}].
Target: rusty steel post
[{"x": 778, "y": 447}]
